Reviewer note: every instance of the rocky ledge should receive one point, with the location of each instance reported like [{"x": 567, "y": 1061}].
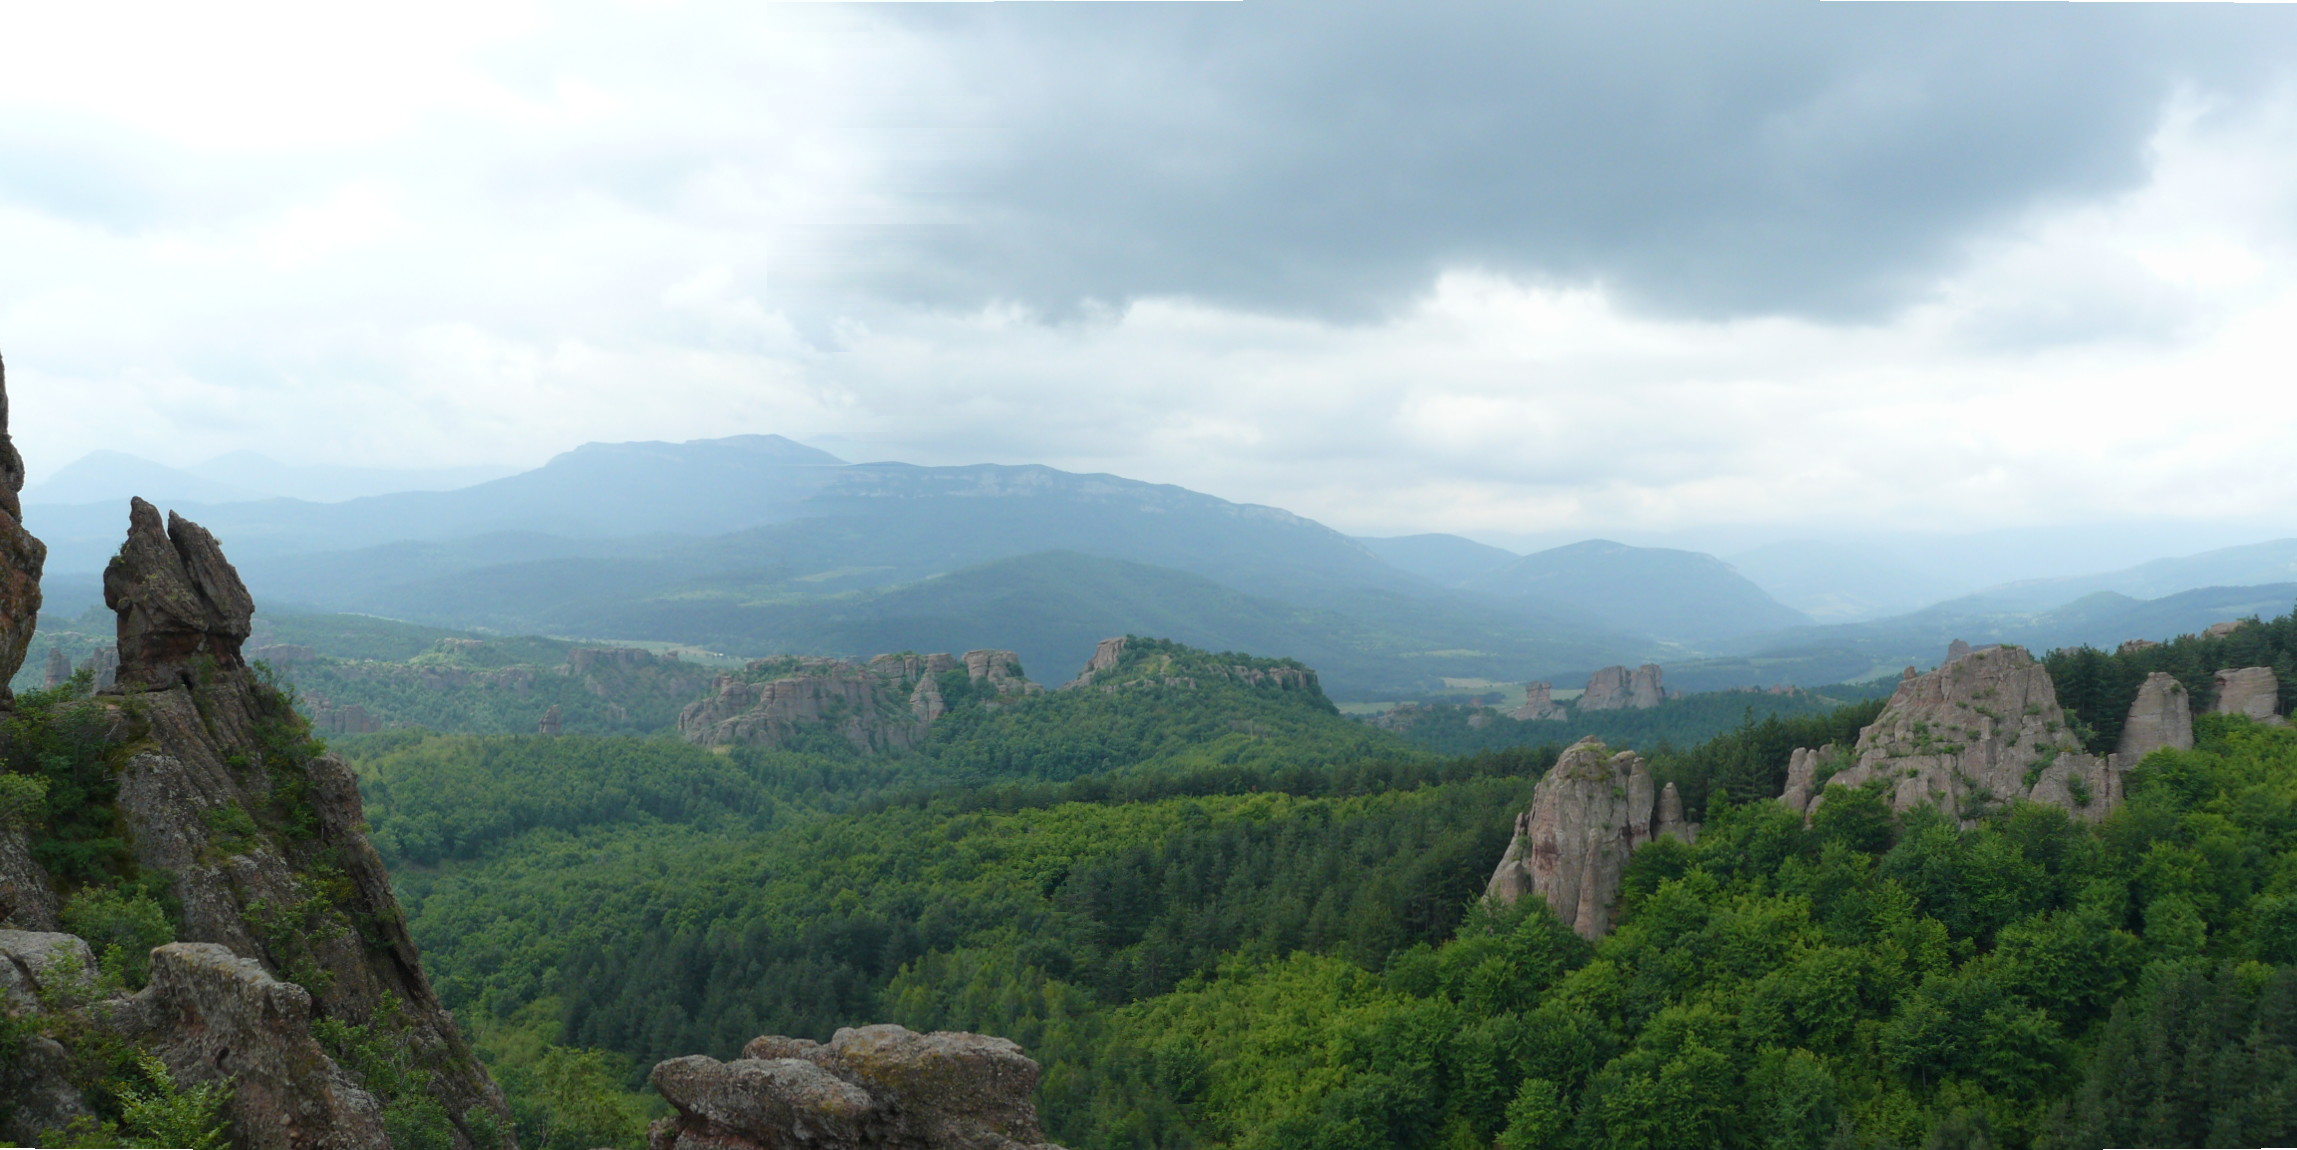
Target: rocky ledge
[{"x": 870, "y": 1088}]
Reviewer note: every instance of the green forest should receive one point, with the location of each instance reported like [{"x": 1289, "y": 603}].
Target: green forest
[{"x": 1223, "y": 915}]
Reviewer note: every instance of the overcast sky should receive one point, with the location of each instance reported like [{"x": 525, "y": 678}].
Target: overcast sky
[{"x": 1500, "y": 268}]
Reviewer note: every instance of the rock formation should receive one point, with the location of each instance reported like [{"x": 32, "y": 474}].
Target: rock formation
[
  {"x": 1618, "y": 689},
  {"x": 58, "y": 670},
  {"x": 1539, "y": 704},
  {"x": 1982, "y": 729},
  {"x": 885, "y": 704},
  {"x": 1106, "y": 655},
  {"x": 2249, "y": 691},
  {"x": 871, "y": 1088},
  {"x": 182, "y": 607},
  {"x": 1588, "y": 815},
  {"x": 1133, "y": 662},
  {"x": 282, "y": 911},
  {"x": 553, "y": 721},
  {"x": 2221, "y": 630},
  {"x": 2132, "y": 646},
  {"x": 105, "y": 664},
  {"x": 21, "y": 557},
  {"x": 2161, "y": 716}
]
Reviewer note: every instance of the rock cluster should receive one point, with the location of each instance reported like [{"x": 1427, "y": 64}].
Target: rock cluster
[
  {"x": 885, "y": 704},
  {"x": 1618, "y": 689},
  {"x": 1588, "y": 815},
  {"x": 180, "y": 603},
  {"x": 2253, "y": 692},
  {"x": 2160, "y": 717},
  {"x": 1539, "y": 704},
  {"x": 21, "y": 557},
  {"x": 870, "y": 1088},
  {"x": 1118, "y": 663},
  {"x": 1982, "y": 729}
]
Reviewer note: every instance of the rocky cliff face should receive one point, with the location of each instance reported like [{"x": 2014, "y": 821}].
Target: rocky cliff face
[
  {"x": 21, "y": 557},
  {"x": 1539, "y": 704},
  {"x": 883, "y": 705},
  {"x": 1131, "y": 661},
  {"x": 291, "y": 971},
  {"x": 1982, "y": 729},
  {"x": 1588, "y": 815},
  {"x": 1618, "y": 689},
  {"x": 2253, "y": 692},
  {"x": 871, "y": 1088},
  {"x": 2160, "y": 717}
]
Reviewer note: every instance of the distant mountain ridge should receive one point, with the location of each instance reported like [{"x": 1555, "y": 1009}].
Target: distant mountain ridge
[{"x": 1684, "y": 596}]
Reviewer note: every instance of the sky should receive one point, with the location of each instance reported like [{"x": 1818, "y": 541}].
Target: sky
[{"x": 1521, "y": 271}]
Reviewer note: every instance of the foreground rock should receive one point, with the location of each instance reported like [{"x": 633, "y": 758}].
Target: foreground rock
[
  {"x": 21, "y": 557},
  {"x": 180, "y": 603},
  {"x": 1982, "y": 729},
  {"x": 871, "y": 1088},
  {"x": 2160, "y": 718},
  {"x": 883, "y": 705},
  {"x": 2252, "y": 692},
  {"x": 1588, "y": 815}
]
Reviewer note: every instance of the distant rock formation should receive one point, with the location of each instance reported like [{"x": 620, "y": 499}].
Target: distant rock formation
[
  {"x": 1106, "y": 655},
  {"x": 2251, "y": 691},
  {"x": 553, "y": 721},
  {"x": 2221, "y": 630},
  {"x": 104, "y": 666},
  {"x": 179, "y": 601},
  {"x": 1539, "y": 704},
  {"x": 2133, "y": 646},
  {"x": 869, "y": 1088},
  {"x": 2160, "y": 717},
  {"x": 1588, "y": 814},
  {"x": 883, "y": 705},
  {"x": 1122, "y": 663},
  {"x": 58, "y": 670},
  {"x": 328, "y": 719},
  {"x": 1618, "y": 689},
  {"x": 1982, "y": 729},
  {"x": 21, "y": 557}
]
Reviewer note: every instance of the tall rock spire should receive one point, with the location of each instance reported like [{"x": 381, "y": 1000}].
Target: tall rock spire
[
  {"x": 21, "y": 557},
  {"x": 179, "y": 600}
]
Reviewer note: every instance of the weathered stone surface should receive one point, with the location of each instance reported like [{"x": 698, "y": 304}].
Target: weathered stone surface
[
  {"x": 44, "y": 1096},
  {"x": 1539, "y": 704},
  {"x": 553, "y": 721},
  {"x": 179, "y": 601},
  {"x": 33, "y": 962},
  {"x": 1588, "y": 814},
  {"x": 58, "y": 670},
  {"x": 1606, "y": 690},
  {"x": 1106, "y": 655},
  {"x": 21, "y": 557},
  {"x": 1982, "y": 729},
  {"x": 329, "y": 719},
  {"x": 2221, "y": 630},
  {"x": 2160, "y": 717},
  {"x": 1672, "y": 824},
  {"x": 105, "y": 663},
  {"x": 27, "y": 898},
  {"x": 868, "y": 1088},
  {"x": 885, "y": 704},
  {"x": 213, "y": 1016},
  {"x": 2250, "y": 691},
  {"x": 1644, "y": 691}
]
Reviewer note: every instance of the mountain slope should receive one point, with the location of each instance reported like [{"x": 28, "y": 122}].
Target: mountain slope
[
  {"x": 1680, "y": 596},
  {"x": 1446, "y": 560},
  {"x": 2252, "y": 565}
]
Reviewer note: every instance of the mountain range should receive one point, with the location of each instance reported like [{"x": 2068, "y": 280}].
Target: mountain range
[{"x": 758, "y": 544}]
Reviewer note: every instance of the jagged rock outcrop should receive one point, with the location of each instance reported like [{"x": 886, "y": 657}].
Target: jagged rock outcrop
[
  {"x": 868, "y": 1088},
  {"x": 2249, "y": 691},
  {"x": 2132, "y": 646},
  {"x": 104, "y": 666},
  {"x": 1539, "y": 704},
  {"x": 282, "y": 911},
  {"x": 1982, "y": 729},
  {"x": 883, "y": 705},
  {"x": 27, "y": 899},
  {"x": 1106, "y": 655},
  {"x": 1618, "y": 689},
  {"x": 21, "y": 557},
  {"x": 180, "y": 603},
  {"x": 1132, "y": 662},
  {"x": 1588, "y": 814},
  {"x": 58, "y": 670},
  {"x": 2160, "y": 717}
]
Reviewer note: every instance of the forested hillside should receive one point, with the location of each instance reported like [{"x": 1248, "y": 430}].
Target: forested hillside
[{"x": 1222, "y": 915}]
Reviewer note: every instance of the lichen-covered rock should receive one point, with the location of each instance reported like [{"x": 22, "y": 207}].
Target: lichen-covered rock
[
  {"x": 1539, "y": 704},
  {"x": 868, "y": 1088},
  {"x": 35, "y": 962},
  {"x": 1588, "y": 814},
  {"x": 21, "y": 557},
  {"x": 1982, "y": 729},
  {"x": 2160, "y": 717},
  {"x": 180, "y": 602},
  {"x": 2253, "y": 692},
  {"x": 213, "y": 1016}
]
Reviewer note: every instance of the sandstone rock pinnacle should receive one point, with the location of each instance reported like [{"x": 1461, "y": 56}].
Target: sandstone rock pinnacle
[
  {"x": 2161, "y": 716},
  {"x": 1644, "y": 691},
  {"x": 1606, "y": 690},
  {"x": 2250, "y": 691},
  {"x": 179, "y": 600},
  {"x": 21, "y": 557},
  {"x": 1588, "y": 815},
  {"x": 1539, "y": 704}
]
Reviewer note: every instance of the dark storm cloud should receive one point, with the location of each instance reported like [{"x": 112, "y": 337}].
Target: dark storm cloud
[{"x": 1709, "y": 159}]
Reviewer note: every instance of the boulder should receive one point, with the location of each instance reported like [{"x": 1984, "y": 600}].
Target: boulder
[
  {"x": 1981, "y": 729},
  {"x": 35, "y": 963},
  {"x": 1588, "y": 814},
  {"x": 868, "y": 1088},
  {"x": 180, "y": 602},
  {"x": 2250, "y": 691},
  {"x": 1606, "y": 690},
  {"x": 2160, "y": 717},
  {"x": 1539, "y": 704},
  {"x": 21, "y": 558}
]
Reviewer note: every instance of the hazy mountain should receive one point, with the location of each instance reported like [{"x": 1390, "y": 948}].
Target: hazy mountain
[
  {"x": 240, "y": 477},
  {"x": 2254, "y": 564},
  {"x": 1446, "y": 560},
  {"x": 1836, "y": 582},
  {"x": 1679, "y": 596},
  {"x": 114, "y": 476}
]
